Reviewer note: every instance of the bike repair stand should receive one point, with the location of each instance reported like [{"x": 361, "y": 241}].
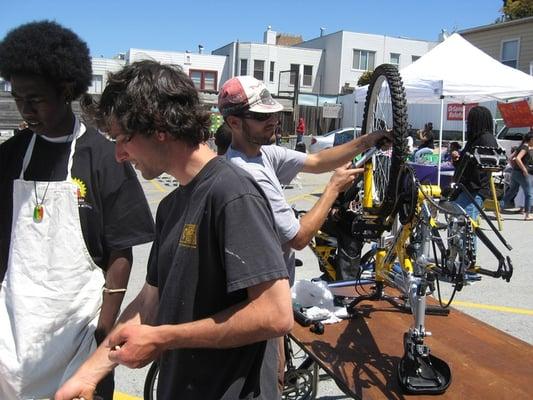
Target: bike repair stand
[{"x": 419, "y": 371}]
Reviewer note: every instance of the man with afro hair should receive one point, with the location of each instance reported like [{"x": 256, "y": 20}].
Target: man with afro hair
[{"x": 69, "y": 215}]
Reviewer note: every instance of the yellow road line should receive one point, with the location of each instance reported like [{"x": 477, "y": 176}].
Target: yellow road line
[
  {"x": 158, "y": 186},
  {"x": 513, "y": 310},
  {"x": 124, "y": 396},
  {"x": 307, "y": 196}
]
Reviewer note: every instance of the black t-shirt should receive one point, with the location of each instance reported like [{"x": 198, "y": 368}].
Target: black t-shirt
[
  {"x": 215, "y": 237},
  {"x": 476, "y": 181},
  {"x": 114, "y": 213},
  {"x": 527, "y": 159}
]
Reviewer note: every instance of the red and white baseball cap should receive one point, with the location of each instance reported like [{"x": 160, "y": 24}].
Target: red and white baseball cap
[{"x": 245, "y": 93}]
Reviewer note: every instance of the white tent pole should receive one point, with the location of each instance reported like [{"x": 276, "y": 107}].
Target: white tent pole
[
  {"x": 464, "y": 126},
  {"x": 440, "y": 137},
  {"x": 354, "y": 118}
]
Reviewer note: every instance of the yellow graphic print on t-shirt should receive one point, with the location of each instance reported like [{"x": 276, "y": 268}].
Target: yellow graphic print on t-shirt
[{"x": 188, "y": 236}]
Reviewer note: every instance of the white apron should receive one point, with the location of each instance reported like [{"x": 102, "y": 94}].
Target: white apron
[{"x": 51, "y": 295}]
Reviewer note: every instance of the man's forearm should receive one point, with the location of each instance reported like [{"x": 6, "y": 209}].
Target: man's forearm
[
  {"x": 266, "y": 316},
  {"x": 142, "y": 310},
  {"x": 117, "y": 276},
  {"x": 329, "y": 159},
  {"x": 311, "y": 221}
]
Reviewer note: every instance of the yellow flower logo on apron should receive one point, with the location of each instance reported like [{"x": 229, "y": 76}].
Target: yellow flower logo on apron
[{"x": 82, "y": 189}]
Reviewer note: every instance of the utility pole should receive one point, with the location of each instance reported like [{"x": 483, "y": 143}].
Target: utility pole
[{"x": 295, "y": 107}]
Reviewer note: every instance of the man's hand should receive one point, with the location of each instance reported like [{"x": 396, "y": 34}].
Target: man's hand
[
  {"x": 380, "y": 138},
  {"x": 135, "y": 345},
  {"x": 76, "y": 388},
  {"x": 343, "y": 177}
]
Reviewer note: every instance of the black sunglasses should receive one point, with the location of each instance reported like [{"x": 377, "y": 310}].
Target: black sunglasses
[{"x": 262, "y": 117}]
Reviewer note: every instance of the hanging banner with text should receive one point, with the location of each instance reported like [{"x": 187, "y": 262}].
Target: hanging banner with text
[
  {"x": 516, "y": 114},
  {"x": 455, "y": 111}
]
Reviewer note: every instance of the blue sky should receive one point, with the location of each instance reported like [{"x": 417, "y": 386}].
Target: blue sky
[{"x": 110, "y": 27}]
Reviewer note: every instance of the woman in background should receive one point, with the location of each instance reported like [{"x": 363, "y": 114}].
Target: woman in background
[{"x": 522, "y": 175}]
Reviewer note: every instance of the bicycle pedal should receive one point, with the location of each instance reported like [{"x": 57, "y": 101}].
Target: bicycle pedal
[{"x": 472, "y": 277}]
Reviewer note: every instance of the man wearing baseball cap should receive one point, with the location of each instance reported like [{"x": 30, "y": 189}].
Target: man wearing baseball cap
[{"x": 251, "y": 113}]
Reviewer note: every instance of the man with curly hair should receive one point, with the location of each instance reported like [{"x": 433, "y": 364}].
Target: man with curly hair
[
  {"x": 216, "y": 291},
  {"x": 69, "y": 215}
]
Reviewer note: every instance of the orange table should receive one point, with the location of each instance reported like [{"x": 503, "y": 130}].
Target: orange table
[{"x": 363, "y": 353}]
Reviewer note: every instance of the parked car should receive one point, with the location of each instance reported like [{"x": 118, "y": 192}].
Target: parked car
[
  {"x": 330, "y": 139},
  {"x": 510, "y": 137}
]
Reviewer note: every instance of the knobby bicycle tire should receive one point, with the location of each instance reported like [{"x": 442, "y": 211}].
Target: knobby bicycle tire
[
  {"x": 150, "y": 382},
  {"x": 384, "y": 112}
]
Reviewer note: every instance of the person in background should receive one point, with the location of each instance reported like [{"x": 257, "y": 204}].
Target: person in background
[
  {"x": 216, "y": 289},
  {"x": 479, "y": 132},
  {"x": 410, "y": 141},
  {"x": 222, "y": 139},
  {"x": 426, "y": 145},
  {"x": 277, "y": 132},
  {"x": 426, "y": 136},
  {"x": 69, "y": 216},
  {"x": 453, "y": 153},
  {"x": 300, "y": 130},
  {"x": 521, "y": 175}
]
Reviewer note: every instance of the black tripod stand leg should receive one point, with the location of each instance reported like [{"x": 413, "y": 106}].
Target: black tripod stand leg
[
  {"x": 377, "y": 294},
  {"x": 485, "y": 216}
]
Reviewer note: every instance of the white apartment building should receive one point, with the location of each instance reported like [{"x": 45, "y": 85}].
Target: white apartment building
[
  {"x": 101, "y": 68},
  {"x": 207, "y": 71},
  {"x": 347, "y": 55},
  {"x": 278, "y": 66},
  {"x": 327, "y": 64}
]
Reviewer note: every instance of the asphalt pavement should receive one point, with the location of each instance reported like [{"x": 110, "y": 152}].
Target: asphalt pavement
[{"x": 506, "y": 306}]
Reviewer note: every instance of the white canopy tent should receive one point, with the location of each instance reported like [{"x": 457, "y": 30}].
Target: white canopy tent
[{"x": 455, "y": 71}]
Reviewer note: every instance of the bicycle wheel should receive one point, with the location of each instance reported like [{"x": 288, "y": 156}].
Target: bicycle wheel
[
  {"x": 386, "y": 108},
  {"x": 150, "y": 383}
]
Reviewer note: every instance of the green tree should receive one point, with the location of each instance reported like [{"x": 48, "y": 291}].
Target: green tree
[
  {"x": 516, "y": 9},
  {"x": 364, "y": 79}
]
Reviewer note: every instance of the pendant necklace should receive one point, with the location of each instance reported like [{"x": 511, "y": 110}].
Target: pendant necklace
[{"x": 38, "y": 210}]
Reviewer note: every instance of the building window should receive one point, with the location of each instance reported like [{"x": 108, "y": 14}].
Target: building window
[
  {"x": 259, "y": 70},
  {"x": 96, "y": 84},
  {"x": 414, "y": 58},
  {"x": 308, "y": 75},
  {"x": 271, "y": 72},
  {"x": 364, "y": 60},
  {"x": 295, "y": 73},
  {"x": 244, "y": 66},
  {"x": 395, "y": 59},
  {"x": 510, "y": 53},
  {"x": 204, "y": 80}
]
